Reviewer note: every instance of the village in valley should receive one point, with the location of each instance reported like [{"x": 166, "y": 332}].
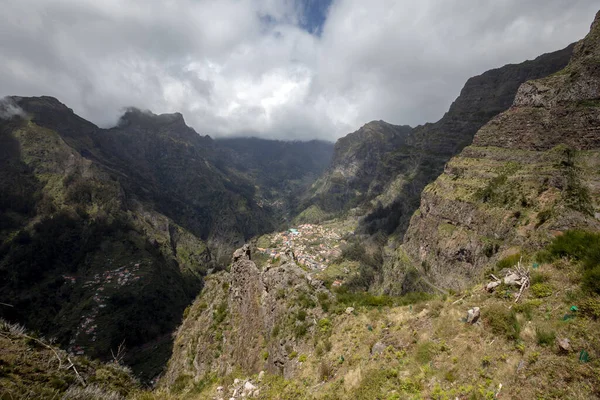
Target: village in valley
[{"x": 315, "y": 246}]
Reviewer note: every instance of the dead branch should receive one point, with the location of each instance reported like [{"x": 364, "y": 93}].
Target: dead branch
[
  {"x": 72, "y": 365},
  {"x": 118, "y": 358}
]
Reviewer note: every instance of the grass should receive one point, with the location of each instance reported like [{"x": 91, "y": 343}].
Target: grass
[
  {"x": 366, "y": 299},
  {"x": 503, "y": 321},
  {"x": 545, "y": 337}
]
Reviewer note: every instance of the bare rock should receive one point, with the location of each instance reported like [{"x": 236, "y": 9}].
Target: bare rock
[
  {"x": 349, "y": 310},
  {"x": 564, "y": 344},
  {"x": 473, "y": 315},
  {"x": 378, "y": 348},
  {"x": 243, "y": 253},
  {"x": 490, "y": 287}
]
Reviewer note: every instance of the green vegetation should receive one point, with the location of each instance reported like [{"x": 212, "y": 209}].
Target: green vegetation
[
  {"x": 541, "y": 290},
  {"x": 509, "y": 261},
  {"x": 545, "y": 337},
  {"x": 580, "y": 246},
  {"x": 503, "y": 321},
  {"x": 365, "y": 299}
]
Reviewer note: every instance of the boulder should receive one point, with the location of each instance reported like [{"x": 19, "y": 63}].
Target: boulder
[
  {"x": 349, "y": 310},
  {"x": 490, "y": 287},
  {"x": 378, "y": 348},
  {"x": 473, "y": 315},
  {"x": 564, "y": 344}
]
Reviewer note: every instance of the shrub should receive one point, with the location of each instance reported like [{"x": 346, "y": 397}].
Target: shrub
[
  {"x": 325, "y": 371},
  {"x": 302, "y": 358},
  {"x": 324, "y": 325},
  {"x": 539, "y": 277},
  {"x": 220, "y": 313},
  {"x": 503, "y": 322},
  {"x": 574, "y": 244},
  {"x": 305, "y": 301},
  {"x": 590, "y": 308},
  {"x": 540, "y": 290},
  {"x": 526, "y": 309},
  {"x": 301, "y": 316},
  {"x": 542, "y": 217},
  {"x": 425, "y": 352},
  {"x": 544, "y": 337},
  {"x": 580, "y": 246},
  {"x": 300, "y": 330},
  {"x": 591, "y": 279},
  {"x": 509, "y": 261}
]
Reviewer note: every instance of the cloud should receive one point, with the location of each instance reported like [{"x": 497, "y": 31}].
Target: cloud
[
  {"x": 273, "y": 68},
  {"x": 8, "y": 109}
]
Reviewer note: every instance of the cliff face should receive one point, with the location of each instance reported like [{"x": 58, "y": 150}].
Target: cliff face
[
  {"x": 531, "y": 173},
  {"x": 251, "y": 318},
  {"x": 383, "y": 168},
  {"x": 352, "y": 175}
]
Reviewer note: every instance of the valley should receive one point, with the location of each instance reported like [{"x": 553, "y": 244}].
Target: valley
[{"x": 145, "y": 261}]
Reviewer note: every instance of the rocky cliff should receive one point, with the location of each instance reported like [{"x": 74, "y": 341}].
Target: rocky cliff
[
  {"x": 252, "y": 318},
  {"x": 531, "y": 173},
  {"x": 383, "y": 168}
]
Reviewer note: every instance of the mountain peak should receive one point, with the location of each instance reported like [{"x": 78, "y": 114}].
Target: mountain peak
[{"x": 146, "y": 118}]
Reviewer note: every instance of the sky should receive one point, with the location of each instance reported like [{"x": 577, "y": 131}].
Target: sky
[{"x": 285, "y": 69}]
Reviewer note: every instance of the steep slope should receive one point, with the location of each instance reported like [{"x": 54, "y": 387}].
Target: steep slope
[
  {"x": 81, "y": 259},
  {"x": 385, "y": 173},
  {"x": 164, "y": 162},
  {"x": 531, "y": 173},
  {"x": 32, "y": 368},
  {"x": 252, "y": 318},
  {"x": 350, "y": 178}
]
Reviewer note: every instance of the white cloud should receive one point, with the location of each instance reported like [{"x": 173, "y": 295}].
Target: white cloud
[{"x": 247, "y": 67}]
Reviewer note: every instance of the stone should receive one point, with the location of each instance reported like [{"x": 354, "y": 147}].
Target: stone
[
  {"x": 220, "y": 389},
  {"x": 261, "y": 375},
  {"x": 256, "y": 393},
  {"x": 473, "y": 315},
  {"x": 564, "y": 344},
  {"x": 236, "y": 381},
  {"x": 243, "y": 253},
  {"x": 490, "y": 287},
  {"x": 349, "y": 310},
  {"x": 378, "y": 348},
  {"x": 248, "y": 386}
]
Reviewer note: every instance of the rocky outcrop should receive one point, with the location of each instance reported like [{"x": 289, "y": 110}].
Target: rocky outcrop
[
  {"x": 251, "y": 319},
  {"x": 383, "y": 168},
  {"x": 531, "y": 173},
  {"x": 351, "y": 177}
]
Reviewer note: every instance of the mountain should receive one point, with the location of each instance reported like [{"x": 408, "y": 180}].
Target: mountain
[
  {"x": 530, "y": 174},
  {"x": 382, "y": 168},
  {"x": 106, "y": 234},
  {"x": 281, "y": 170},
  {"x": 522, "y": 201}
]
